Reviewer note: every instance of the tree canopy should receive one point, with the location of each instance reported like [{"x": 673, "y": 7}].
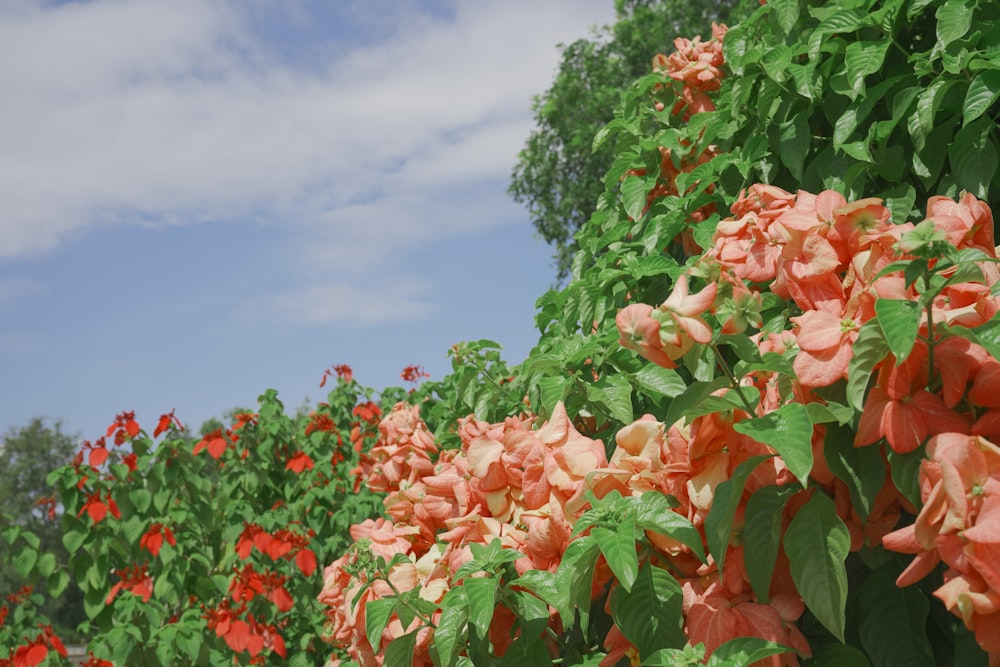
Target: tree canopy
[{"x": 557, "y": 176}]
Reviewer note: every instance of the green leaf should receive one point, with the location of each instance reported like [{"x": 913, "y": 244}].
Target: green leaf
[
  {"x": 650, "y": 615},
  {"x": 573, "y": 581},
  {"x": 954, "y": 18},
  {"x": 762, "y": 535},
  {"x": 618, "y": 547},
  {"x": 399, "y": 653},
  {"x": 900, "y": 322},
  {"x": 24, "y": 561},
  {"x": 786, "y": 12},
  {"x": 660, "y": 381},
  {"x": 892, "y": 620},
  {"x": 525, "y": 652},
  {"x": 141, "y": 498},
  {"x": 692, "y": 396},
  {"x": 57, "y": 582},
  {"x": 532, "y": 613},
  {"x": 481, "y": 592},
  {"x": 46, "y": 564},
  {"x": 614, "y": 394},
  {"x": 634, "y": 196},
  {"x": 869, "y": 349},
  {"x": 863, "y": 58},
  {"x": 905, "y": 472},
  {"x": 983, "y": 91},
  {"x": 973, "y": 157},
  {"x": 817, "y": 543},
  {"x": 377, "y": 613},
  {"x": 794, "y": 136},
  {"x": 719, "y": 522},
  {"x": 987, "y": 335},
  {"x": 745, "y": 651},
  {"x": 654, "y": 512},
  {"x": 861, "y": 468},
  {"x": 451, "y": 625},
  {"x": 788, "y": 430}
]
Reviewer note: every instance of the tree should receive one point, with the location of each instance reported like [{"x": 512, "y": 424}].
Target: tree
[
  {"x": 557, "y": 176},
  {"x": 27, "y": 455}
]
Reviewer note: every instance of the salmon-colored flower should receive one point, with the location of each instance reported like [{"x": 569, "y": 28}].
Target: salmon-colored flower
[
  {"x": 960, "y": 525},
  {"x": 825, "y": 347},
  {"x": 901, "y": 410}
]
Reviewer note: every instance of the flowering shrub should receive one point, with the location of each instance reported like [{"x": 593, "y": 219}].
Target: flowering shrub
[{"x": 760, "y": 426}]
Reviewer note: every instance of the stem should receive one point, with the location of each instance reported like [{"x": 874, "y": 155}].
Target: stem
[
  {"x": 733, "y": 382},
  {"x": 416, "y": 612},
  {"x": 930, "y": 337}
]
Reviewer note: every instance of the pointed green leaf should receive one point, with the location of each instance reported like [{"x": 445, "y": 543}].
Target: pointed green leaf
[
  {"x": 745, "y": 651},
  {"x": 451, "y": 625},
  {"x": 786, "y": 12},
  {"x": 634, "y": 196},
  {"x": 983, "y": 91},
  {"x": 377, "y": 613},
  {"x": 574, "y": 578},
  {"x": 788, "y": 430},
  {"x": 481, "y": 592},
  {"x": 892, "y": 620},
  {"x": 869, "y": 349},
  {"x": 861, "y": 468},
  {"x": 525, "y": 652},
  {"x": 660, "y": 381},
  {"x": 654, "y": 512},
  {"x": 863, "y": 58},
  {"x": 954, "y": 19},
  {"x": 762, "y": 535},
  {"x": 900, "y": 322},
  {"x": 650, "y": 615},
  {"x": 614, "y": 394},
  {"x": 692, "y": 396},
  {"x": 719, "y": 522},
  {"x": 618, "y": 547},
  {"x": 817, "y": 543},
  {"x": 399, "y": 653},
  {"x": 973, "y": 157}
]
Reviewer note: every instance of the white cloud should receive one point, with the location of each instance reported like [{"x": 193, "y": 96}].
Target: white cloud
[
  {"x": 340, "y": 305},
  {"x": 155, "y": 112}
]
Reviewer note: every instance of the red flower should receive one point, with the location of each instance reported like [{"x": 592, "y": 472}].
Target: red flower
[
  {"x": 214, "y": 442},
  {"x": 305, "y": 559},
  {"x": 97, "y": 662},
  {"x": 98, "y": 508},
  {"x": 343, "y": 372},
  {"x": 36, "y": 651},
  {"x": 413, "y": 374},
  {"x": 298, "y": 462},
  {"x": 153, "y": 538},
  {"x": 165, "y": 422},
  {"x": 134, "y": 579},
  {"x": 124, "y": 425}
]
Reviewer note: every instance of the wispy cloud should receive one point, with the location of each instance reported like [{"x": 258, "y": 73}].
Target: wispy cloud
[
  {"x": 399, "y": 133},
  {"x": 167, "y": 112}
]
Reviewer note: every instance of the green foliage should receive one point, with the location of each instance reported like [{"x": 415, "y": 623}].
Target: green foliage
[
  {"x": 27, "y": 455},
  {"x": 559, "y": 174}
]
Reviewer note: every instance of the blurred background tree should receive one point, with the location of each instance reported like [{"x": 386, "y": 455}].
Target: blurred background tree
[
  {"x": 557, "y": 176},
  {"x": 27, "y": 455}
]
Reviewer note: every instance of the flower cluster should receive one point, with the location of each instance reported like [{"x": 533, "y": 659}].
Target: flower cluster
[
  {"x": 510, "y": 482},
  {"x": 960, "y": 525},
  {"x": 697, "y": 65}
]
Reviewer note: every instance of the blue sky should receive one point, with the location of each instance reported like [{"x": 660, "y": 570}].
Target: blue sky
[{"x": 200, "y": 199}]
